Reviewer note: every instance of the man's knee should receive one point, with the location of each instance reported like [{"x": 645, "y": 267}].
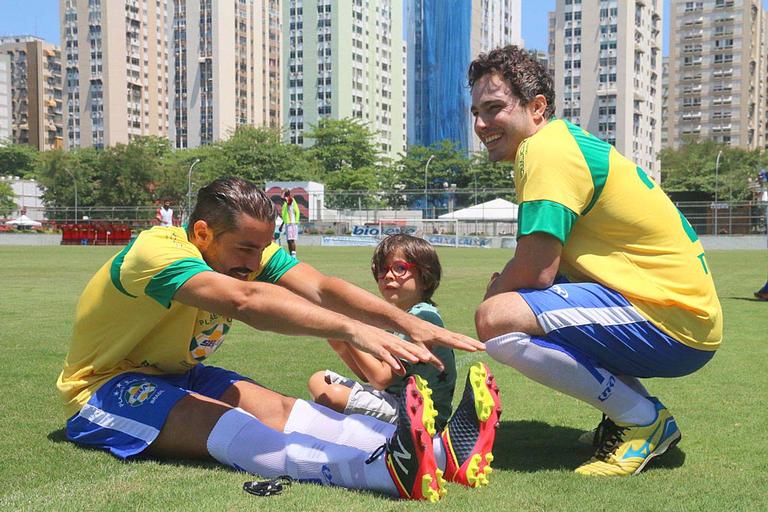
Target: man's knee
[{"x": 505, "y": 313}]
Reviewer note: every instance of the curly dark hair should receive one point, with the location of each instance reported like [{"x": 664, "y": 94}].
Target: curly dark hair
[
  {"x": 415, "y": 250},
  {"x": 524, "y": 75}
]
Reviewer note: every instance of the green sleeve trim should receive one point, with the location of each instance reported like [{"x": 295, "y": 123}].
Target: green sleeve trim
[
  {"x": 280, "y": 263},
  {"x": 117, "y": 265},
  {"x": 164, "y": 285},
  {"x": 545, "y": 217},
  {"x": 596, "y": 153},
  {"x": 644, "y": 178}
]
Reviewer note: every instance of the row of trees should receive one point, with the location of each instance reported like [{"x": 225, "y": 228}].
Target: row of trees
[{"x": 344, "y": 157}]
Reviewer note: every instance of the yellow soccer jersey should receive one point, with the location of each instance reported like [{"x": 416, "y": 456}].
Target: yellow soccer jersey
[
  {"x": 618, "y": 228},
  {"x": 126, "y": 319}
]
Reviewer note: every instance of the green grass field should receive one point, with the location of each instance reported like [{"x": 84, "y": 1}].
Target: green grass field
[{"x": 721, "y": 464}]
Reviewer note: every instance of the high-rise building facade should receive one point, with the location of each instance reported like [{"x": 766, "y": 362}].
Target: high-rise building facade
[
  {"x": 717, "y": 88},
  {"x": 226, "y": 68},
  {"x": 345, "y": 59},
  {"x": 665, "y": 102},
  {"x": 441, "y": 44},
  {"x": 34, "y": 67},
  {"x": 5, "y": 99},
  {"x": 116, "y": 60},
  {"x": 608, "y": 63},
  {"x": 551, "y": 40}
]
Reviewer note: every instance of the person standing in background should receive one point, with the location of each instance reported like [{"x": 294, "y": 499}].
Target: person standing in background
[
  {"x": 290, "y": 215},
  {"x": 165, "y": 214}
]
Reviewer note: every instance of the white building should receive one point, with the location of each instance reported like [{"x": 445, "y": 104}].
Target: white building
[
  {"x": 717, "y": 72},
  {"x": 226, "y": 68},
  {"x": 116, "y": 70},
  {"x": 608, "y": 70}
]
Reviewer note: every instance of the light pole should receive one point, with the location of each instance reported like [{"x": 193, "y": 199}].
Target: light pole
[
  {"x": 717, "y": 183},
  {"x": 189, "y": 187},
  {"x": 74, "y": 180},
  {"x": 426, "y": 169}
]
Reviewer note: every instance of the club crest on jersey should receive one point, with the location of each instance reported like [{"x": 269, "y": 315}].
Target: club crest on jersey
[
  {"x": 206, "y": 342},
  {"x": 137, "y": 394}
]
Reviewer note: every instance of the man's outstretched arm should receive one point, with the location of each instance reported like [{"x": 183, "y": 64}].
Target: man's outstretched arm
[
  {"x": 271, "y": 308},
  {"x": 340, "y": 296}
]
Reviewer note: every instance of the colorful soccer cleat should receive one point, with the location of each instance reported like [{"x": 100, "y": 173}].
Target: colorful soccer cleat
[
  {"x": 626, "y": 449},
  {"x": 409, "y": 455},
  {"x": 594, "y": 436},
  {"x": 468, "y": 438}
]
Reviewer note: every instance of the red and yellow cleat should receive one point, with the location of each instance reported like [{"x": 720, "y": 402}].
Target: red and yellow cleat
[
  {"x": 409, "y": 455},
  {"x": 468, "y": 438}
]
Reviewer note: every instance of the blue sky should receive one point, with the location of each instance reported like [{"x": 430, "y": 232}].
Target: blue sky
[{"x": 41, "y": 18}]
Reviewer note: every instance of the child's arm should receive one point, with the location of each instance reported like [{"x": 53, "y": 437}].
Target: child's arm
[
  {"x": 378, "y": 376},
  {"x": 367, "y": 368},
  {"x": 342, "y": 349}
]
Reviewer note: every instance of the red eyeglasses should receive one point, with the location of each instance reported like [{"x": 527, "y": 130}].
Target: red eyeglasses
[{"x": 398, "y": 268}]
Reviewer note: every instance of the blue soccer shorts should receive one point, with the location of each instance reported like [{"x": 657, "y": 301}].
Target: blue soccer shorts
[
  {"x": 126, "y": 414},
  {"x": 597, "y": 326}
]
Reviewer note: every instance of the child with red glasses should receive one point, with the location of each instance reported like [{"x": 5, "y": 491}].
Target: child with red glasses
[{"x": 407, "y": 271}]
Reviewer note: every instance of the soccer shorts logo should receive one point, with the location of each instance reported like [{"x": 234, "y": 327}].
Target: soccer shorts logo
[
  {"x": 139, "y": 393},
  {"x": 205, "y": 343}
]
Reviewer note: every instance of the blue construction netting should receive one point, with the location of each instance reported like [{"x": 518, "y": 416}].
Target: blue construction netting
[{"x": 441, "y": 80}]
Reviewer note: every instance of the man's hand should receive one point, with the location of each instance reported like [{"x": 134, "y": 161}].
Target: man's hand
[
  {"x": 426, "y": 334},
  {"x": 388, "y": 348},
  {"x": 535, "y": 265},
  {"x": 490, "y": 289}
]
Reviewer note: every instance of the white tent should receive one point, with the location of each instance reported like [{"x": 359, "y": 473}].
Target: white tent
[
  {"x": 23, "y": 222},
  {"x": 495, "y": 210}
]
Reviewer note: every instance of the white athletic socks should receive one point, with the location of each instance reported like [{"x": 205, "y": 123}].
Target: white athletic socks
[
  {"x": 559, "y": 370},
  {"x": 356, "y": 430},
  {"x": 241, "y": 441}
]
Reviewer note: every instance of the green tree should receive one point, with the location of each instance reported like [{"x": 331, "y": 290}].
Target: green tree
[
  {"x": 342, "y": 145},
  {"x": 18, "y": 160},
  {"x": 125, "y": 174},
  {"x": 447, "y": 165},
  {"x": 693, "y": 168},
  {"x": 488, "y": 180},
  {"x": 257, "y": 154},
  {"x": 7, "y": 204},
  {"x": 347, "y": 161},
  {"x": 57, "y": 172}
]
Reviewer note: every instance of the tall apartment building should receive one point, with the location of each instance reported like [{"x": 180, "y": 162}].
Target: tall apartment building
[
  {"x": 35, "y": 97},
  {"x": 551, "y": 39},
  {"x": 5, "y": 99},
  {"x": 441, "y": 44},
  {"x": 346, "y": 59},
  {"x": 226, "y": 68},
  {"x": 665, "y": 102},
  {"x": 608, "y": 64},
  {"x": 717, "y": 72},
  {"x": 117, "y": 60}
]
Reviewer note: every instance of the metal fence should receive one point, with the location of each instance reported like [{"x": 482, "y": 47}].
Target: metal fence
[{"x": 341, "y": 211}]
